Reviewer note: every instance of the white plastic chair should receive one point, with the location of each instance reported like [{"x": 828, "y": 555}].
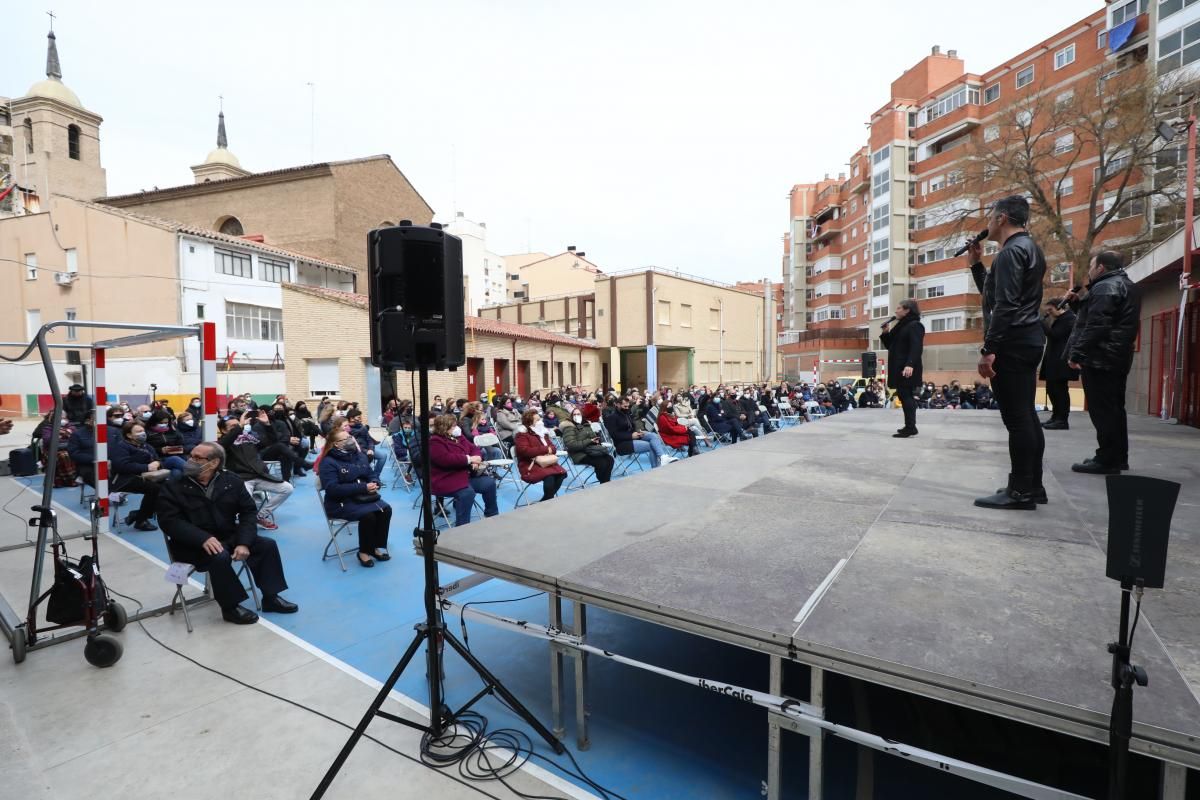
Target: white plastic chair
[{"x": 502, "y": 466}]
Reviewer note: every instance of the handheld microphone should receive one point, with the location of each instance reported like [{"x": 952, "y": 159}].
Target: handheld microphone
[
  {"x": 1063, "y": 301},
  {"x": 979, "y": 237}
]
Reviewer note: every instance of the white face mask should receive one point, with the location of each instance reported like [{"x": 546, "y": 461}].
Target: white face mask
[
  {"x": 456, "y": 431},
  {"x": 578, "y": 418}
]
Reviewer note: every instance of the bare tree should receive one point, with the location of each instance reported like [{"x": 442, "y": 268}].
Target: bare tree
[{"x": 1089, "y": 160}]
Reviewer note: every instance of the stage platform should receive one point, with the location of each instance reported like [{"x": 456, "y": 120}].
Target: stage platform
[{"x": 1007, "y": 613}]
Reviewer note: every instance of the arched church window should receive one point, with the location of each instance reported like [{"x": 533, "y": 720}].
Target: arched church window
[
  {"x": 28, "y": 135},
  {"x": 73, "y": 141},
  {"x": 231, "y": 226}
]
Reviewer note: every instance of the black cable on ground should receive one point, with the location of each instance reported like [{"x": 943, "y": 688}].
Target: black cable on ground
[{"x": 466, "y": 744}]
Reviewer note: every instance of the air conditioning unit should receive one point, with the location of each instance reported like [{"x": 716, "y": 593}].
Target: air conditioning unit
[{"x": 65, "y": 278}]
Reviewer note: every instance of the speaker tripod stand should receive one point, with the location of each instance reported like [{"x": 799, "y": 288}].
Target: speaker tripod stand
[{"x": 433, "y": 633}]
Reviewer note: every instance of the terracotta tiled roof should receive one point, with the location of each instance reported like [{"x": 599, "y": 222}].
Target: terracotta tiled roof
[{"x": 477, "y": 325}]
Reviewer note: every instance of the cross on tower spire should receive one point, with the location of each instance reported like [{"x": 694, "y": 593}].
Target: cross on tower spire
[{"x": 53, "y": 69}]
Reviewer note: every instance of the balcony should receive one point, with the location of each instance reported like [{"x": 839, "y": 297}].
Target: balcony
[{"x": 823, "y": 233}]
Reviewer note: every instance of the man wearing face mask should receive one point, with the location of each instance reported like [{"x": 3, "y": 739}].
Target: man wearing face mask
[
  {"x": 77, "y": 404},
  {"x": 749, "y": 406},
  {"x": 209, "y": 519},
  {"x": 245, "y": 462},
  {"x": 628, "y": 440}
]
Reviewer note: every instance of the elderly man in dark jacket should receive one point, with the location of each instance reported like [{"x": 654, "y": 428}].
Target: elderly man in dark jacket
[
  {"x": 1058, "y": 322},
  {"x": 208, "y": 518},
  {"x": 77, "y": 404},
  {"x": 1102, "y": 346}
]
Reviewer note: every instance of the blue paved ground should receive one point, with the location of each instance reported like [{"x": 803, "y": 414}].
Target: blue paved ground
[{"x": 651, "y": 737}]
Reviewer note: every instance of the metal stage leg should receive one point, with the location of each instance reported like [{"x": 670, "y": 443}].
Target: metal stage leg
[
  {"x": 582, "y": 739},
  {"x": 556, "y": 672},
  {"x": 1174, "y": 782},
  {"x": 816, "y": 742},
  {"x": 774, "y": 733}
]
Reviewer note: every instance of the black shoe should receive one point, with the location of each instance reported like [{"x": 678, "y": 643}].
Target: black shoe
[
  {"x": 370, "y": 562},
  {"x": 1038, "y": 494},
  {"x": 904, "y": 433},
  {"x": 145, "y": 525},
  {"x": 1093, "y": 467},
  {"x": 239, "y": 616},
  {"x": 1008, "y": 500},
  {"x": 1056, "y": 425},
  {"x": 382, "y": 555},
  {"x": 279, "y": 605}
]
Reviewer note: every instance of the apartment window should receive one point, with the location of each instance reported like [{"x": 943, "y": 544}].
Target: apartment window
[
  {"x": 1168, "y": 7},
  {"x": 1064, "y": 99},
  {"x": 854, "y": 311},
  {"x": 954, "y": 178},
  {"x": 882, "y": 183},
  {"x": 1064, "y": 144},
  {"x": 854, "y": 203},
  {"x": 854, "y": 171},
  {"x": 243, "y": 321},
  {"x": 33, "y": 322},
  {"x": 72, "y": 331},
  {"x": 1131, "y": 10},
  {"x": 233, "y": 263},
  {"x": 879, "y": 285},
  {"x": 664, "y": 312},
  {"x": 1060, "y": 273},
  {"x": 685, "y": 315},
  {"x": 1102, "y": 39},
  {"x": 1024, "y": 117},
  {"x": 1179, "y": 49},
  {"x": 322, "y": 377},
  {"x": 938, "y": 325},
  {"x": 274, "y": 271},
  {"x": 714, "y": 319},
  {"x": 990, "y": 248},
  {"x": 877, "y": 313},
  {"x": 991, "y": 94},
  {"x": 1128, "y": 209},
  {"x": 935, "y": 291},
  {"x": 72, "y": 261},
  {"x": 199, "y": 310},
  {"x": 991, "y": 133},
  {"x": 1064, "y": 57},
  {"x": 1067, "y": 186},
  {"x": 853, "y": 233},
  {"x": 957, "y": 99},
  {"x": 1025, "y": 77},
  {"x": 854, "y": 285},
  {"x": 880, "y": 250},
  {"x": 31, "y": 266},
  {"x": 881, "y": 216},
  {"x": 881, "y": 155},
  {"x": 854, "y": 260},
  {"x": 937, "y": 184}
]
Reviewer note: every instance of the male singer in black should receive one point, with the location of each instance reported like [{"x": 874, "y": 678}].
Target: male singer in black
[
  {"x": 1012, "y": 346},
  {"x": 1102, "y": 345}
]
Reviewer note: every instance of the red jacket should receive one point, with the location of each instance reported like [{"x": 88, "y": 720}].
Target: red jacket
[
  {"x": 528, "y": 445},
  {"x": 671, "y": 431},
  {"x": 449, "y": 471}
]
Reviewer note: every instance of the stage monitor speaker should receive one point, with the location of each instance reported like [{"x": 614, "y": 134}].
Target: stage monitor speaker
[
  {"x": 1139, "y": 525},
  {"x": 415, "y": 292},
  {"x": 869, "y": 365}
]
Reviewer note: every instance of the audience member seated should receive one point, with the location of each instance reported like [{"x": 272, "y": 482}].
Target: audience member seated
[
  {"x": 938, "y": 401},
  {"x": 81, "y": 448},
  {"x": 953, "y": 395},
  {"x": 475, "y": 422},
  {"x": 186, "y": 424},
  {"x": 721, "y": 422},
  {"x": 244, "y": 460},
  {"x": 983, "y": 395},
  {"x": 307, "y": 426},
  {"x": 628, "y": 440},
  {"x": 366, "y": 442},
  {"x": 728, "y": 400},
  {"x": 870, "y": 398},
  {"x": 508, "y": 419},
  {"x": 136, "y": 469},
  {"x": 675, "y": 434},
  {"x": 77, "y": 404},
  {"x": 456, "y": 470},
  {"x": 352, "y": 493},
  {"x": 275, "y": 441},
  {"x": 166, "y": 441},
  {"x": 749, "y": 407},
  {"x": 585, "y": 446},
  {"x": 208, "y": 517},
  {"x": 536, "y": 454}
]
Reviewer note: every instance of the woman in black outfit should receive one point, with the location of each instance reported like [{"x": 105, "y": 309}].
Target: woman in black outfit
[
  {"x": 904, "y": 344},
  {"x": 1058, "y": 323}
]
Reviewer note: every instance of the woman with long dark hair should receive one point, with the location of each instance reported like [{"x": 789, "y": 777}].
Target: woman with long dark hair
[{"x": 904, "y": 344}]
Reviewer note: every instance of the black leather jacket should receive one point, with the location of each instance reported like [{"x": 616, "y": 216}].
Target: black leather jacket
[
  {"x": 1107, "y": 323},
  {"x": 1012, "y": 294}
]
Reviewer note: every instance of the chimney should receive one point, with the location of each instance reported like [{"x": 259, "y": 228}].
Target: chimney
[
  {"x": 841, "y": 176},
  {"x": 952, "y": 53},
  {"x": 570, "y": 248},
  {"x": 581, "y": 254},
  {"x": 937, "y": 50}
]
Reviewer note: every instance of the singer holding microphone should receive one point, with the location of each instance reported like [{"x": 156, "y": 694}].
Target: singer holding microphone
[
  {"x": 904, "y": 344},
  {"x": 1012, "y": 346},
  {"x": 1056, "y": 372}
]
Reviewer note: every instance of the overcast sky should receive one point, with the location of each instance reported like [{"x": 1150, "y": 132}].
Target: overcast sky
[{"x": 643, "y": 131}]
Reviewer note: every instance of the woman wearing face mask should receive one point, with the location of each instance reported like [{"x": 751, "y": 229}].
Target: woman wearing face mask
[
  {"x": 352, "y": 493},
  {"x": 474, "y": 422},
  {"x": 189, "y": 431},
  {"x": 585, "y": 447},
  {"x": 167, "y": 442},
  {"x": 131, "y": 460},
  {"x": 536, "y": 454},
  {"x": 308, "y": 427},
  {"x": 508, "y": 419},
  {"x": 456, "y": 470}
]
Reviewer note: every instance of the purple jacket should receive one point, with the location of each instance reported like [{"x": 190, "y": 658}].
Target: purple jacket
[{"x": 449, "y": 471}]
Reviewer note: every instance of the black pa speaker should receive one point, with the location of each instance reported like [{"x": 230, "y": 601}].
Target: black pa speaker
[
  {"x": 1139, "y": 525},
  {"x": 415, "y": 288},
  {"x": 869, "y": 365}
]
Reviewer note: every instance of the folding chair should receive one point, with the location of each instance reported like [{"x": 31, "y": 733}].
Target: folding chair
[
  {"x": 243, "y": 573},
  {"x": 622, "y": 461},
  {"x": 502, "y": 466},
  {"x": 84, "y": 497},
  {"x": 721, "y": 438},
  {"x": 336, "y": 527},
  {"x": 788, "y": 414},
  {"x": 402, "y": 472}
]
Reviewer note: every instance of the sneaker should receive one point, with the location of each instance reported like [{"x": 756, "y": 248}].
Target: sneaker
[
  {"x": 266, "y": 524},
  {"x": 664, "y": 460}
]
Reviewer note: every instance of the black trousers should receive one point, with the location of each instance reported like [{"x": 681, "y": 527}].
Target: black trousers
[
  {"x": 86, "y": 473},
  {"x": 602, "y": 464},
  {"x": 1014, "y": 387},
  {"x": 285, "y": 455},
  {"x": 263, "y": 561},
  {"x": 1059, "y": 394},
  {"x": 136, "y": 484},
  {"x": 908, "y": 402},
  {"x": 1105, "y": 393},
  {"x": 373, "y": 531},
  {"x": 551, "y": 483}
]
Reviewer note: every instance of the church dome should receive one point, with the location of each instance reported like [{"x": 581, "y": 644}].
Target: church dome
[
  {"x": 54, "y": 89},
  {"x": 222, "y": 156}
]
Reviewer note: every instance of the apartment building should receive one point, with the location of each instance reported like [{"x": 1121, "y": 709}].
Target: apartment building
[
  {"x": 484, "y": 275},
  {"x": 859, "y": 244}
]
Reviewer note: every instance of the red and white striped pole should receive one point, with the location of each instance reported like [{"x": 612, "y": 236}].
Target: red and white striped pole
[
  {"x": 816, "y": 371},
  {"x": 101, "y": 457},
  {"x": 208, "y": 378}
]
